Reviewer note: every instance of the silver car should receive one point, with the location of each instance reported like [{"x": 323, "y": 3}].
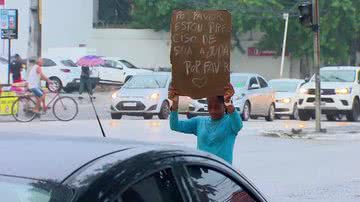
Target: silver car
[
  {"x": 287, "y": 96},
  {"x": 253, "y": 98},
  {"x": 143, "y": 95}
]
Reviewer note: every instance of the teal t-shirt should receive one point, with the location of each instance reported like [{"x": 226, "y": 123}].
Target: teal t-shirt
[{"x": 213, "y": 136}]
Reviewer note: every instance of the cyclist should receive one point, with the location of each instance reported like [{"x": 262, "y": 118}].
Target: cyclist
[{"x": 35, "y": 75}]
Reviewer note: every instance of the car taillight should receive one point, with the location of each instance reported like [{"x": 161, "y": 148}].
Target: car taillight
[{"x": 66, "y": 70}]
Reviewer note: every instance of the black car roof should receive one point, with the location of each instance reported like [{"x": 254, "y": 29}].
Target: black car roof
[{"x": 55, "y": 158}]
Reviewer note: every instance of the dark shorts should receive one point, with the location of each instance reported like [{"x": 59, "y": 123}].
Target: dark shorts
[{"x": 37, "y": 92}]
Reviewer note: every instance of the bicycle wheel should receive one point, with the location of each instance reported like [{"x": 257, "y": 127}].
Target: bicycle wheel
[
  {"x": 22, "y": 109},
  {"x": 65, "y": 108}
]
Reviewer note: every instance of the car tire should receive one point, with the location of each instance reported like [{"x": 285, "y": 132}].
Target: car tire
[
  {"x": 353, "y": 115},
  {"x": 164, "y": 111},
  {"x": 271, "y": 113},
  {"x": 295, "y": 115},
  {"x": 116, "y": 116},
  {"x": 69, "y": 89},
  {"x": 254, "y": 117},
  {"x": 148, "y": 116},
  {"x": 331, "y": 117},
  {"x": 304, "y": 115},
  {"x": 57, "y": 82},
  {"x": 246, "y": 112}
]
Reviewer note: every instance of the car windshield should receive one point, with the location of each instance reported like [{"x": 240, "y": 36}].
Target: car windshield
[
  {"x": 239, "y": 81},
  {"x": 147, "y": 82},
  {"x": 128, "y": 64},
  {"x": 337, "y": 75},
  {"x": 23, "y": 191},
  {"x": 284, "y": 86}
]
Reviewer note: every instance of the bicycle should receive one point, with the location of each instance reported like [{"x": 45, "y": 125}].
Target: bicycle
[{"x": 64, "y": 108}]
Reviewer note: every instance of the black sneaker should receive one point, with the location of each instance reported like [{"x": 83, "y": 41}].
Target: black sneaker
[{"x": 80, "y": 98}]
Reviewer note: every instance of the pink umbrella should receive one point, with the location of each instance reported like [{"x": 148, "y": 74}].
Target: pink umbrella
[{"x": 90, "y": 61}]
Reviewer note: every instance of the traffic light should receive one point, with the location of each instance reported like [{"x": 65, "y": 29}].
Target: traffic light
[{"x": 306, "y": 18}]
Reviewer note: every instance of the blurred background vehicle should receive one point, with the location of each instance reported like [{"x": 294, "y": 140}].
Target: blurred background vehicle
[
  {"x": 143, "y": 95},
  {"x": 118, "y": 71},
  {"x": 340, "y": 93},
  {"x": 253, "y": 98},
  {"x": 287, "y": 96}
]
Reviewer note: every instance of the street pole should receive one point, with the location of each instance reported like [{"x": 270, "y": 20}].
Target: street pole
[
  {"x": 286, "y": 17},
  {"x": 316, "y": 29},
  {"x": 9, "y": 60},
  {"x": 35, "y": 30}
]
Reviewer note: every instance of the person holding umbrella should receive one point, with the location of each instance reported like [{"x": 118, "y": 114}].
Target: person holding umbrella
[{"x": 85, "y": 79}]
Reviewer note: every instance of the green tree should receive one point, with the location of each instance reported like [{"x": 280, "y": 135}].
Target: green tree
[{"x": 340, "y": 24}]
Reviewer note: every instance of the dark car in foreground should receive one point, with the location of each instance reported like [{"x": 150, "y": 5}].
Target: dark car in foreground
[{"x": 46, "y": 169}]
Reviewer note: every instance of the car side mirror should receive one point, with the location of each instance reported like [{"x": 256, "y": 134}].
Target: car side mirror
[
  {"x": 254, "y": 86},
  {"x": 307, "y": 79}
]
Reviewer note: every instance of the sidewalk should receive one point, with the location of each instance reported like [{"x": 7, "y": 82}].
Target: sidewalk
[{"x": 343, "y": 131}]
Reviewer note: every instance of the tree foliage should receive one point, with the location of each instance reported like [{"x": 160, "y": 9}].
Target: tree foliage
[{"x": 340, "y": 24}]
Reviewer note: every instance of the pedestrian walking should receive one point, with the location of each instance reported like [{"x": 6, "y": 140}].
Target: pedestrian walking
[
  {"x": 85, "y": 81},
  {"x": 216, "y": 133},
  {"x": 16, "y": 68}
]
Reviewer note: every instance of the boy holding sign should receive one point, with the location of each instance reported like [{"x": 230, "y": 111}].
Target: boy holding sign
[
  {"x": 215, "y": 134},
  {"x": 200, "y": 58}
]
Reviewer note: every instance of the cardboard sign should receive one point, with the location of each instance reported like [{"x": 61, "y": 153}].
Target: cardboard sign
[{"x": 200, "y": 52}]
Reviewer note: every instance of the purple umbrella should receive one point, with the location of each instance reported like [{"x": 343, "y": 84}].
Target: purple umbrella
[{"x": 90, "y": 61}]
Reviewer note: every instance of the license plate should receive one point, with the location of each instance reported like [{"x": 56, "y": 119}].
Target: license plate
[
  {"x": 206, "y": 108},
  {"x": 130, "y": 104}
]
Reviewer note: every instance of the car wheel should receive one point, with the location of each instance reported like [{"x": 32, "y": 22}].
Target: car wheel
[
  {"x": 246, "y": 112},
  {"x": 57, "y": 83},
  {"x": 189, "y": 116},
  {"x": 116, "y": 116},
  {"x": 304, "y": 115},
  {"x": 353, "y": 115},
  {"x": 254, "y": 117},
  {"x": 69, "y": 90},
  {"x": 271, "y": 113},
  {"x": 148, "y": 116},
  {"x": 164, "y": 111},
  {"x": 295, "y": 115},
  {"x": 331, "y": 117}
]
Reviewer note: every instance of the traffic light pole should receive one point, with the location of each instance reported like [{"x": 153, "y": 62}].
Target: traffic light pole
[
  {"x": 286, "y": 18},
  {"x": 316, "y": 26}
]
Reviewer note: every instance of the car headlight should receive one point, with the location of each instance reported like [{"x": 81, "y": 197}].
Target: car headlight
[
  {"x": 154, "y": 96},
  {"x": 304, "y": 91},
  {"x": 343, "y": 91},
  {"x": 114, "y": 95},
  {"x": 285, "y": 100}
]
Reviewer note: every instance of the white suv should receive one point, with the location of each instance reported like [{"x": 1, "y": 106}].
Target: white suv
[{"x": 340, "y": 93}]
